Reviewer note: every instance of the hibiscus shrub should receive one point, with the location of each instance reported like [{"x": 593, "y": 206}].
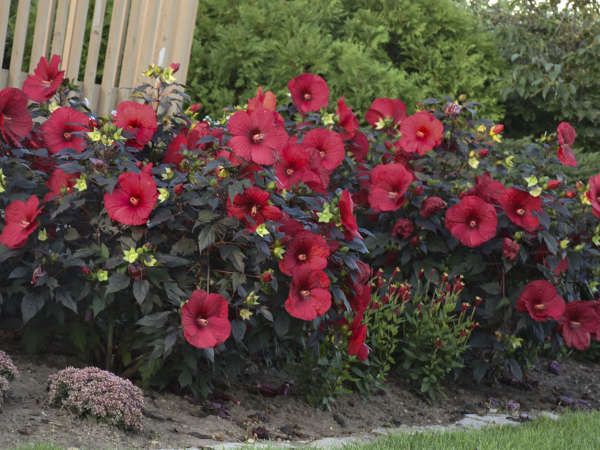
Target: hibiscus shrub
[{"x": 185, "y": 252}]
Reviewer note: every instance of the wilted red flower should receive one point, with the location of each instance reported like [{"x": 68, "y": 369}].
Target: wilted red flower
[
  {"x": 403, "y": 228},
  {"x": 510, "y": 249},
  {"x": 138, "y": 120},
  {"x": 566, "y": 137},
  {"x": 45, "y": 80},
  {"x": 60, "y": 183},
  {"x": 519, "y": 207},
  {"x": 346, "y": 119},
  {"x": 541, "y": 301},
  {"x": 15, "y": 119},
  {"x": 472, "y": 221},
  {"x": 266, "y": 100},
  {"x": 346, "y": 206},
  {"x": 487, "y": 188},
  {"x": 359, "y": 146},
  {"x": 326, "y": 146},
  {"x": 593, "y": 194},
  {"x": 431, "y": 205},
  {"x": 256, "y": 136},
  {"x": 190, "y": 140},
  {"x": 361, "y": 298},
  {"x": 309, "y": 295},
  {"x": 133, "y": 200},
  {"x": 421, "y": 133},
  {"x": 65, "y": 130},
  {"x": 386, "y": 113},
  {"x": 358, "y": 336},
  {"x": 389, "y": 183},
  {"x": 306, "y": 250},
  {"x": 21, "y": 221},
  {"x": 204, "y": 319},
  {"x": 309, "y": 92},
  {"x": 293, "y": 166},
  {"x": 252, "y": 208},
  {"x": 363, "y": 274},
  {"x": 578, "y": 323}
]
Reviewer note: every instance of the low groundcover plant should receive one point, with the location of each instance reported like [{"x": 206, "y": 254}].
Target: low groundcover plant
[{"x": 184, "y": 251}]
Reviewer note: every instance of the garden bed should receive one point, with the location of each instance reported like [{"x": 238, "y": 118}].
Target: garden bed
[{"x": 243, "y": 413}]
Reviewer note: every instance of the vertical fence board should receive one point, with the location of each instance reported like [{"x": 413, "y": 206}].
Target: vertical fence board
[
  {"x": 181, "y": 44},
  {"x": 18, "y": 46},
  {"x": 60, "y": 27},
  {"x": 41, "y": 34},
  {"x": 4, "y": 15},
  {"x": 91, "y": 63},
  {"x": 164, "y": 34},
  {"x": 75, "y": 34},
  {"x": 134, "y": 34}
]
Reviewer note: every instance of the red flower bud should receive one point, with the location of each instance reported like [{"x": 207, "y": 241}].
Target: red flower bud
[
  {"x": 438, "y": 343},
  {"x": 266, "y": 276},
  {"x": 483, "y": 152},
  {"x": 570, "y": 194},
  {"x": 178, "y": 189},
  {"x": 195, "y": 107},
  {"x": 135, "y": 271},
  {"x": 510, "y": 249},
  {"x": 403, "y": 228},
  {"x": 553, "y": 184},
  {"x": 85, "y": 270},
  {"x": 174, "y": 67}
]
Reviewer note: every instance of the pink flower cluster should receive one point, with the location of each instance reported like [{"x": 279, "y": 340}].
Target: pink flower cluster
[
  {"x": 98, "y": 393},
  {"x": 7, "y": 368}
]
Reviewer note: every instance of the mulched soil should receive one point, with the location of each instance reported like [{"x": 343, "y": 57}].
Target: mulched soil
[{"x": 174, "y": 421}]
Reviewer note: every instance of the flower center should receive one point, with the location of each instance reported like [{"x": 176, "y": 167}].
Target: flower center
[
  {"x": 539, "y": 307},
  {"x": 420, "y": 134},
  {"x": 322, "y": 153},
  {"x": 25, "y": 223},
  {"x": 202, "y": 322},
  {"x": 575, "y": 324},
  {"x": 307, "y": 96},
  {"x": 67, "y": 135},
  {"x": 520, "y": 212},
  {"x": 472, "y": 224},
  {"x": 302, "y": 257},
  {"x": 134, "y": 200},
  {"x": 289, "y": 171},
  {"x": 598, "y": 199},
  {"x": 305, "y": 293},
  {"x": 254, "y": 210},
  {"x": 393, "y": 195},
  {"x": 258, "y": 137}
]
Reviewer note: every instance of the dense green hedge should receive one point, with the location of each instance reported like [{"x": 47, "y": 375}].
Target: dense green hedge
[{"x": 364, "y": 48}]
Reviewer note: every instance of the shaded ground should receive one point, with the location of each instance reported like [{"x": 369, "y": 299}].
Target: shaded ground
[{"x": 173, "y": 421}]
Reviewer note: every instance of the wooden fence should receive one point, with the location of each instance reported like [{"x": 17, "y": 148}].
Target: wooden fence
[{"x": 141, "y": 32}]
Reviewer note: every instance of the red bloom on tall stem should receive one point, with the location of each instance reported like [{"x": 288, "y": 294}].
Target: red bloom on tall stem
[
  {"x": 309, "y": 295},
  {"x": 293, "y": 166},
  {"x": 593, "y": 194},
  {"x": 421, "y": 133},
  {"x": 65, "y": 129},
  {"x": 347, "y": 216},
  {"x": 386, "y": 113},
  {"x": 15, "y": 119},
  {"x": 519, "y": 207},
  {"x": 138, "y": 121},
  {"x": 579, "y": 322},
  {"x": 21, "y": 221},
  {"x": 309, "y": 92},
  {"x": 252, "y": 208},
  {"x": 472, "y": 221},
  {"x": 60, "y": 183},
  {"x": 566, "y": 137},
  {"x": 389, "y": 183},
  {"x": 256, "y": 136},
  {"x": 487, "y": 188},
  {"x": 541, "y": 301},
  {"x": 346, "y": 119},
  {"x": 306, "y": 250},
  {"x": 204, "y": 319},
  {"x": 45, "y": 80},
  {"x": 326, "y": 146},
  {"x": 133, "y": 200}
]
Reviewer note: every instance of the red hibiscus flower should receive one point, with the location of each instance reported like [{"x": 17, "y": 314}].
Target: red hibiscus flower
[
  {"x": 421, "y": 133},
  {"x": 326, "y": 146},
  {"x": 15, "y": 119},
  {"x": 306, "y": 250},
  {"x": 255, "y": 136},
  {"x": 252, "y": 208},
  {"x": 510, "y": 249},
  {"x": 346, "y": 205},
  {"x": 21, "y": 221},
  {"x": 266, "y": 100},
  {"x": 65, "y": 129},
  {"x": 578, "y": 323},
  {"x": 389, "y": 182},
  {"x": 293, "y": 166},
  {"x": 358, "y": 336},
  {"x": 309, "y": 295},
  {"x": 192, "y": 140},
  {"x": 472, "y": 221},
  {"x": 487, "y": 188},
  {"x": 359, "y": 146},
  {"x": 346, "y": 119},
  {"x": 593, "y": 194},
  {"x": 431, "y": 205},
  {"x": 309, "y": 92},
  {"x": 133, "y": 200},
  {"x": 138, "y": 121},
  {"x": 403, "y": 228},
  {"x": 519, "y": 207},
  {"x": 386, "y": 113},
  {"x": 45, "y": 80},
  {"x": 541, "y": 301},
  {"x": 566, "y": 137},
  {"x": 204, "y": 319},
  {"x": 60, "y": 183}
]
